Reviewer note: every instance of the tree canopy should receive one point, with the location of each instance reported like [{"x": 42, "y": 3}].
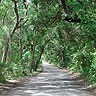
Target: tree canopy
[{"x": 62, "y": 32}]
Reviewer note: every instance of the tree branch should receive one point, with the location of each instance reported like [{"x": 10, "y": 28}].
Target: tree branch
[
  {"x": 80, "y": 2},
  {"x": 70, "y": 19},
  {"x": 16, "y": 10},
  {"x": 18, "y": 19},
  {"x": 24, "y": 3},
  {"x": 21, "y": 24},
  {"x": 41, "y": 52},
  {"x": 64, "y": 6}
]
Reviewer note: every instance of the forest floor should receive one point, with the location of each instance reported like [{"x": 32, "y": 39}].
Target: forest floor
[{"x": 51, "y": 82}]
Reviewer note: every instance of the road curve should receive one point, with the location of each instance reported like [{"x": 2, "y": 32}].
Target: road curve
[{"x": 51, "y": 82}]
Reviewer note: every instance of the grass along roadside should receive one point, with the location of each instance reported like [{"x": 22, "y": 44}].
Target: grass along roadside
[{"x": 4, "y": 87}]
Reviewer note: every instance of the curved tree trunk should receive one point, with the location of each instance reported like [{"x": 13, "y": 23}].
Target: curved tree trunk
[{"x": 40, "y": 55}]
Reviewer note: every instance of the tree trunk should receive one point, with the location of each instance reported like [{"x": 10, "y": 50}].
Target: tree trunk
[
  {"x": 33, "y": 61},
  {"x": 40, "y": 55},
  {"x": 20, "y": 48},
  {"x": 5, "y": 51}
]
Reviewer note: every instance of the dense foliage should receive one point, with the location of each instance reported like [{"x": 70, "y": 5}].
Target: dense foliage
[{"x": 63, "y": 31}]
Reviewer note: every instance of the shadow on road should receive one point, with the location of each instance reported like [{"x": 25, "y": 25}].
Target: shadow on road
[{"x": 51, "y": 82}]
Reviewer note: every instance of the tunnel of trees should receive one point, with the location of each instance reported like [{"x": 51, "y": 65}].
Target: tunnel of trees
[{"x": 63, "y": 32}]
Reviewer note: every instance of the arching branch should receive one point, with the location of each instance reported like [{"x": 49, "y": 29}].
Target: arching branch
[{"x": 70, "y": 19}]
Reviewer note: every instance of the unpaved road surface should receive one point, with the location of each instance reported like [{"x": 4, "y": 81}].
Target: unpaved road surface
[{"x": 51, "y": 82}]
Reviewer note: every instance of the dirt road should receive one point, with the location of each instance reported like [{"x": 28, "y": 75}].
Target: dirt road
[{"x": 51, "y": 82}]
